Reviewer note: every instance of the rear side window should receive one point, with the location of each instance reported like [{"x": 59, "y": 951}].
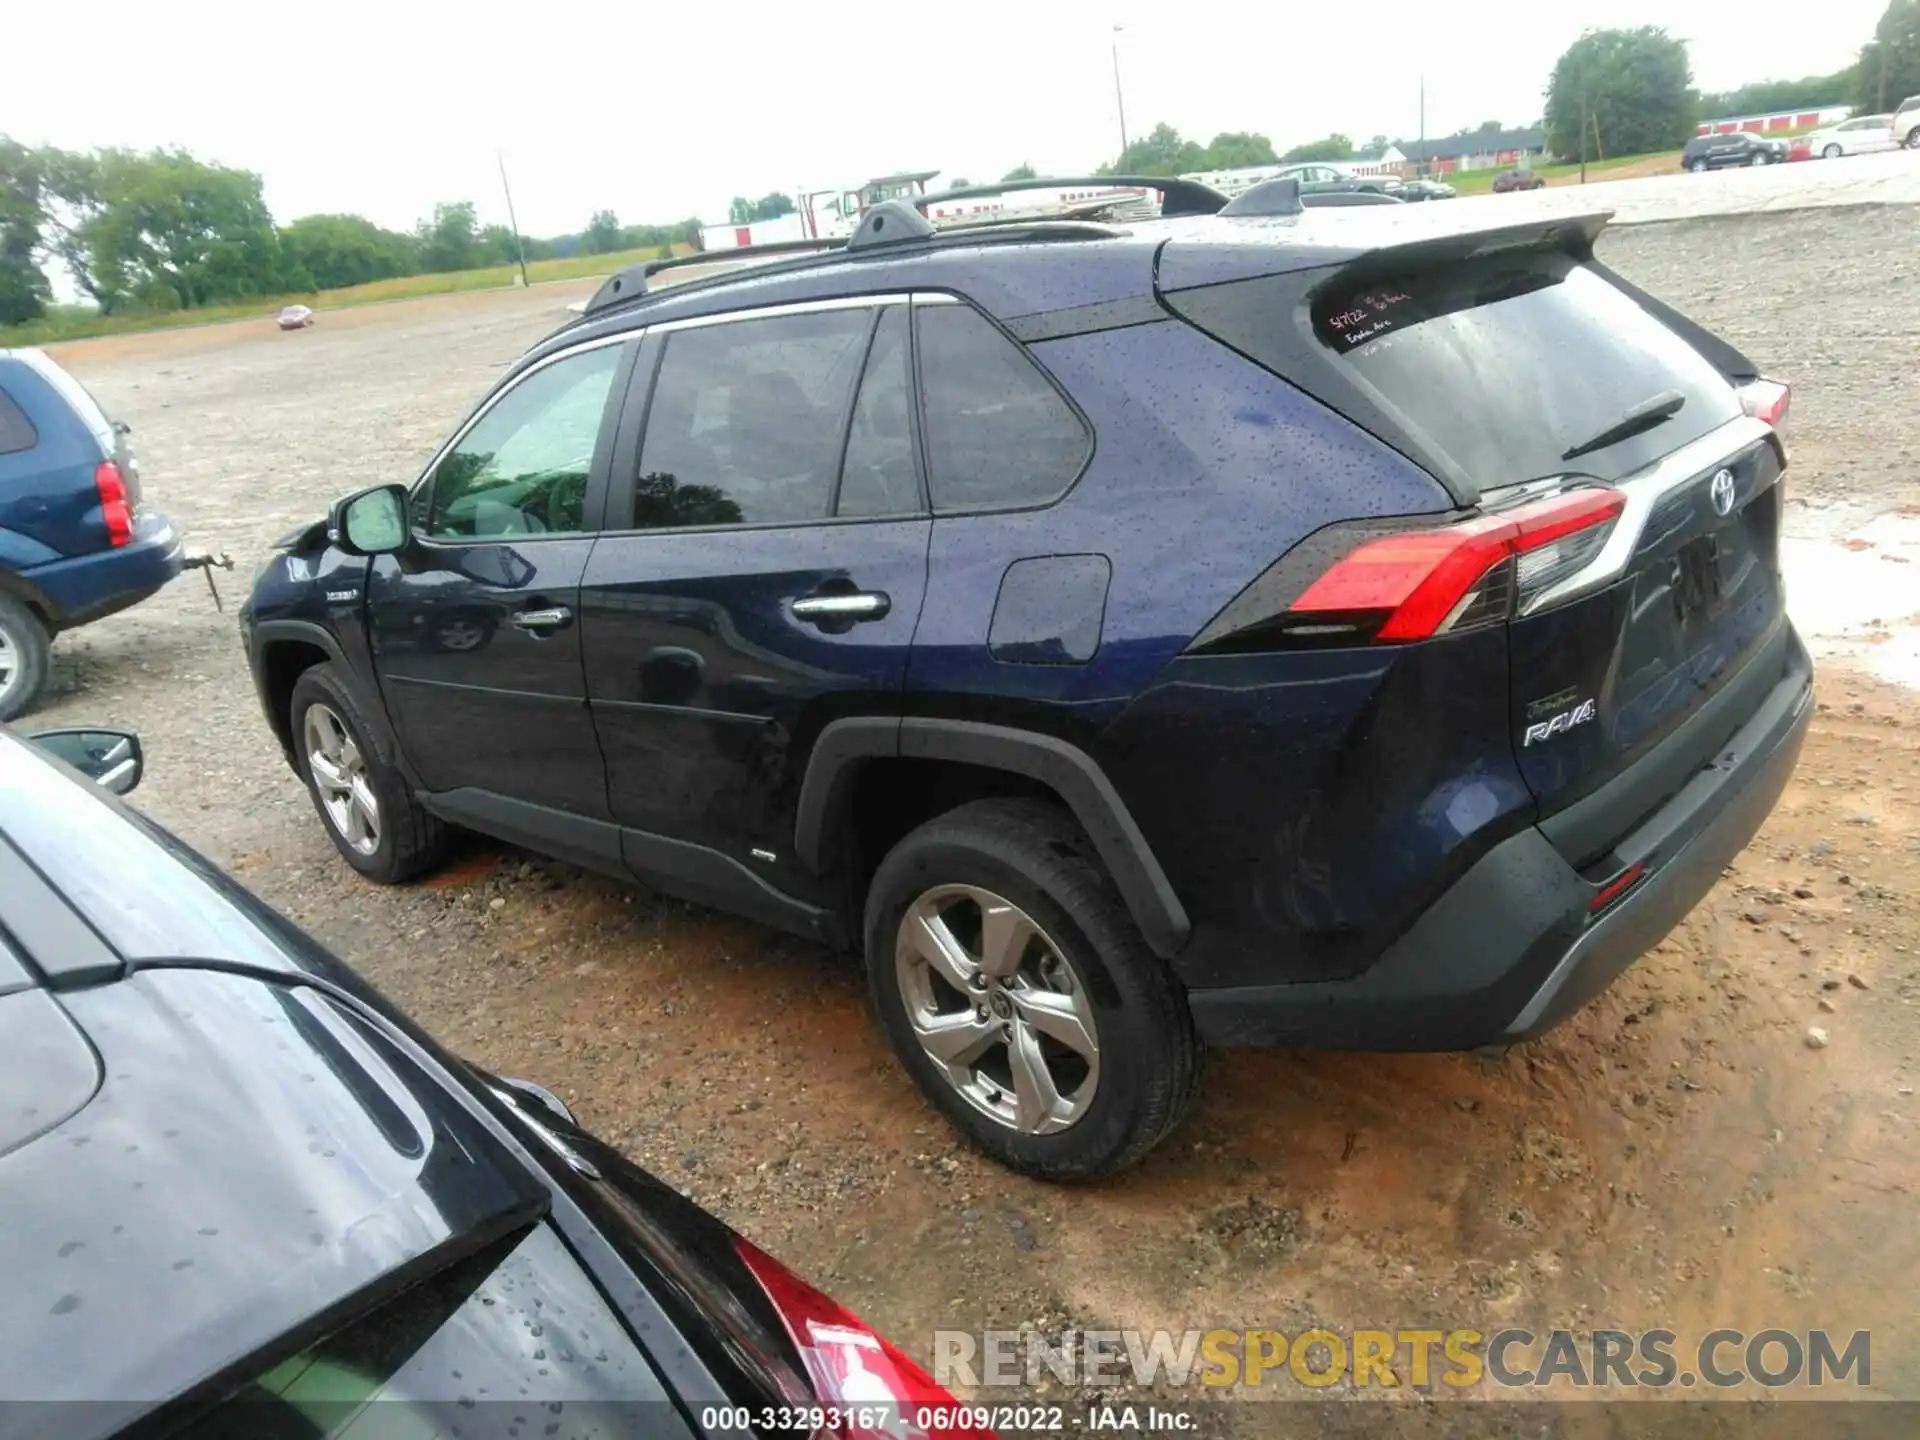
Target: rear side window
[
  {"x": 76, "y": 395},
  {"x": 879, "y": 476},
  {"x": 16, "y": 430},
  {"x": 998, "y": 433},
  {"x": 748, "y": 419}
]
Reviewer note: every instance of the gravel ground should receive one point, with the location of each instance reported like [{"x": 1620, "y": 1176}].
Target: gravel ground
[{"x": 1677, "y": 1155}]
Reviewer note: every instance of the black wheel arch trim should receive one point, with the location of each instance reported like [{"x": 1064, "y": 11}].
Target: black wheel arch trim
[
  {"x": 262, "y": 638},
  {"x": 1065, "y": 769}
]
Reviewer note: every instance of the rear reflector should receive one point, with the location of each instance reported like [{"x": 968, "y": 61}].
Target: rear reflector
[
  {"x": 1766, "y": 400},
  {"x": 1616, "y": 887},
  {"x": 861, "y": 1377},
  {"x": 1421, "y": 583},
  {"x": 114, "y": 508}
]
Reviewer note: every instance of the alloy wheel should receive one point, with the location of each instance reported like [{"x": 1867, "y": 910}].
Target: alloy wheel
[
  {"x": 340, "y": 776},
  {"x": 997, "y": 1007},
  {"x": 11, "y": 664}
]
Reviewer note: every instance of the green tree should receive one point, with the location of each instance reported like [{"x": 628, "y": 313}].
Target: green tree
[
  {"x": 1022, "y": 171},
  {"x": 1839, "y": 88},
  {"x": 174, "y": 232},
  {"x": 602, "y": 235},
  {"x": 1160, "y": 152},
  {"x": 1889, "y": 68},
  {"x": 23, "y": 285},
  {"x": 1631, "y": 90},
  {"x": 339, "y": 250},
  {"x": 450, "y": 240},
  {"x": 495, "y": 245},
  {"x": 770, "y": 206},
  {"x": 72, "y": 207},
  {"x": 1233, "y": 149},
  {"x": 1335, "y": 147}
]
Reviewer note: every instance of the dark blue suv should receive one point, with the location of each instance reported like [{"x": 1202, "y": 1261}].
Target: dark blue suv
[
  {"x": 1342, "y": 629},
  {"x": 75, "y": 544}
]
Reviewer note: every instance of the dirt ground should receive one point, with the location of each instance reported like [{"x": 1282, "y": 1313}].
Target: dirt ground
[{"x": 1679, "y": 1155}]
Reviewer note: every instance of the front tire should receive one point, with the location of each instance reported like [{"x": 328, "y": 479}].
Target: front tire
[
  {"x": 1016, "y": 989},
  {"x": 1912, "y": 142},
  {"x": 363, "y": 800},
  {"x": 1697, "y": 166},
  {"x": 1832, "y": 152},
  {"x": 24, "y": 649}
]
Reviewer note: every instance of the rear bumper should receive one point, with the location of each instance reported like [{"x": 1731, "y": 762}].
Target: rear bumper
[
  {"x": 87, "y": 587},
  {"x": 1511, "y": 949}
]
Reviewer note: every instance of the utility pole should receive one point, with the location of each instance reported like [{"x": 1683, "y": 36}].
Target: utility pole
[
  {"x": 1119, "y": 101},
  {"x": 1583, "y": 137},
  {"x": 1420, "y": 165},
  {"x": 519, "y": 248}
]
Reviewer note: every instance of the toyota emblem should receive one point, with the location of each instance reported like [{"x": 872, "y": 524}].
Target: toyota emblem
[{"x": 1720, "y": 491}]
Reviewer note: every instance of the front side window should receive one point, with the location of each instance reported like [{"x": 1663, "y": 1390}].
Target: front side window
[
  {"x": 522, "y": 469},
  {"x": 747, "y": 421},
  {"x": 998, "y": 433}
]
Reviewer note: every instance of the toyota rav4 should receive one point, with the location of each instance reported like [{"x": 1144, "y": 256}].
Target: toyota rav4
[{"x": 1342, "y": 629}]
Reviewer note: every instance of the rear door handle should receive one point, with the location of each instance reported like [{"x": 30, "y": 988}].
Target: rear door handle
[
  {"x": 539, "y": 622},
  {"x": 860, "y": 605}
]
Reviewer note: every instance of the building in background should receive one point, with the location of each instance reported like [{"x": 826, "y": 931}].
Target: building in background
[
  {"x": 1804, "y": 118},
  {"x": 1481, "y": 150}
]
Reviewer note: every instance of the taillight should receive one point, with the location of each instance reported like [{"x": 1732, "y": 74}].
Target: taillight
[
  {"x": 1766, "y": 400},
  {"x": 1419, "y": 583},
  {"x": 114, "y": 508},
  {"x": 858, "y": 1373}
]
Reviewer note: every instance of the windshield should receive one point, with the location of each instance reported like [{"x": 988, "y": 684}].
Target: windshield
[{"x": 1507, "y": 362}]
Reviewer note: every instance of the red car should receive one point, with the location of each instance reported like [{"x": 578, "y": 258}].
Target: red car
[{"x": 1517, "y": 180}]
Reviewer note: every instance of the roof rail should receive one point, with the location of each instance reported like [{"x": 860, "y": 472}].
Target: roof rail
[
  {"x": 631, "y": 283},
  {"x": 1279, "y": 196},
  {"x": 1179, "y": 197},
  {"x": 890, "y": 226}
]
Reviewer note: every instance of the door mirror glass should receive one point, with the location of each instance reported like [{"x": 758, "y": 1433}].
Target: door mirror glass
[
  {"x": 374, "y": 522},
  {"x": 109, "y": 758}
]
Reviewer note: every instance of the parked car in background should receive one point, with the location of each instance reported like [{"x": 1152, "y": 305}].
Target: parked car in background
[
  {"x": 1414, "y": 190},
  {"x": 1325, "y": 179},
  {"x": 1255, "y": 645},
  {"x": 1738, "y": 147},
  {"x": 246, "y": 1196},
  {"x": 1508, "y": 180},
  {"x": 1906, "y": 122},
  {"x": 1859, "y": 136},
  {"x": 76, "y": 544},
  {"x": 296, "y": 317}
]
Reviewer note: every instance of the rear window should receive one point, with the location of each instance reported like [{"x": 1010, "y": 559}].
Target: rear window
[
  {"x": 76, "y": 395},
  {"x": 1503, "y": 364}
]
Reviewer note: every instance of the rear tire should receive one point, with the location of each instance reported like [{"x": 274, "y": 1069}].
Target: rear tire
[
  {"x": 365, "y": 804},
  {"x": 1697, "y": 166},
  {"x": 1026, "y": 863},
  {"x": 24, "y": 647}
]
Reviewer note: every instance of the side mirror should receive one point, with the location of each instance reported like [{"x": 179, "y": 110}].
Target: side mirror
[
  {"x": 373, "y": 522},
  {"x": 112, "y": 759}
]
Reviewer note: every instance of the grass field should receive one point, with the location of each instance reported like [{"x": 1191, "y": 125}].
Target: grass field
[
  {"x": 78, "y": 323},
  {"x": 1479, "y": 182}
]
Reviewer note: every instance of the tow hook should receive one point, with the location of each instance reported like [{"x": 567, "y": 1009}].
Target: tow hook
[{"x": 204, "y": 560}]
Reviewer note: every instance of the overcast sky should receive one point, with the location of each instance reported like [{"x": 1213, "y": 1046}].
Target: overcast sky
[{"x": 666, "y": 111}]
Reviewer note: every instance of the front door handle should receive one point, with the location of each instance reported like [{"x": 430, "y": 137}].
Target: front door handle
[
  {"x": 859, "y": 605},
  {"x": 540, "y": 622}
]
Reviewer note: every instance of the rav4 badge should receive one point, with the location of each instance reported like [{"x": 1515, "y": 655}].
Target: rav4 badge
[{"x": 1559, "y": 724}]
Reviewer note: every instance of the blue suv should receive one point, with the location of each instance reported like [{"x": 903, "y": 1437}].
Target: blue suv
[
  {"x": 1342, "y": 629},
  {"x": 75, "y": 544}
]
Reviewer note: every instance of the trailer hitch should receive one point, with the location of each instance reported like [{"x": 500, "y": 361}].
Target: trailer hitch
[{"x": 204, "y": 560}]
